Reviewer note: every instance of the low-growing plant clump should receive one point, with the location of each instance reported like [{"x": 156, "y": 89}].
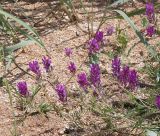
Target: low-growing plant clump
[{"x": 138, "y": 116}]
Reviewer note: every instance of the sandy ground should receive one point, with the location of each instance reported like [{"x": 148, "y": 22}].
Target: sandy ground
[{"x": 58, "y": 34}]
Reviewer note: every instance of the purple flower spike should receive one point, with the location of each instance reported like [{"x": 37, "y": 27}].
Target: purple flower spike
[
  {"x": 116, "y": 66},
  {"x": 72, "y": 67},
  {"x": 68, "y": 52},
  {"x": 157, "y": 101},
  {"x": 46, "y": 63},
  {"x": 82, "y": 80},
  {"x": 150, "y": 12},
  {"x": 34, "y": 67},
  {"x": 99, "y": 36},
  {"x": 133, "y": 79},
  {"x": 95, "y": 74},
  {"x": 150, "y": 31},
  {"x": 123, "y": 77},
  {"x": 61, "y": 91},
  {"x": 110, "y": 30},
  {"x": 93, "y": 46},
  {"x": 22, "y": 88}
]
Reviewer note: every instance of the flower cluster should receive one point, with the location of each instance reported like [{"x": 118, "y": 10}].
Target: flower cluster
[
  {"x": 157, "y": 101},
  {"x": 110, "y": 30},
  {"x": 99, "y": 36},
  {"x": 68, "y": 52},
  {"x": 133, "y": 79},
  {"x": 22, "y": 88},
  {"x": 95, "y": 74},
  {"x": 94, "y": 46},
  {"x": 127, "y": 77},
  {"x": 94, "y": 78},
  {"x": 82, "y": 80},
  {"x": 72, "y": 67},
  {"x": 35, "y": 68},
  {"x": 150, "y": 12},
  {"x": 124, "y": 75},
  {"x": 61, "y": 91},
  {"x": 116, "y": 66},
  {"x": 94, "y": 43},
  {"x": 150, "y": 30},
  {"x": 47, "y": 63}
]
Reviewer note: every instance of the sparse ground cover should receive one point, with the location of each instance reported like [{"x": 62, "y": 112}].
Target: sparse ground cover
[{"x": 80, "y": 77}]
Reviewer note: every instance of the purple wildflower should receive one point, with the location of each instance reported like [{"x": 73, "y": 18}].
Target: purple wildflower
[
  {"x": 34, "y": 67},
  {"x": 82, "y": 80},
  {"x": 46, "y": 63},
  {"x": 95, "y": 74},
  {"x": 157, "y": 101},
  {"x": 61, "y": 91},
  {"x": 99, "y": 36},
  {"x": 93, "y": 46},
  {"x": 150, "y": 11},
  {"x": 124, "y": 75},
  {"x": 68, "y": 52},
  {"x": 133, "y": 79},
  {"x": 72, "y": 67},
  {"x": 110, "y": 30},
  {"x": 116, "y": 66},
  {"x": 22, "y": 88},
  {"x": 150, "y": 31}
]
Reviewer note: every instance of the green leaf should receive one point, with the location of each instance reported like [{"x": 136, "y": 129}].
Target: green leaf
[
  {"x": 35, "y": 91},
  {"x": 122, "y": 40},
  {"x": 21, "y": 44},
  {"x": 94, "y": 59},
  {"x": 18, "y": 21},
  {"x": 144, "y": 22},
  {"x": 133, "y": 26},
  {"x": 44, "y": 108},
  {"x": 138, "y": 33},
  {"x": 158, "y": 77},
  {"x": 26, "y": 26}
]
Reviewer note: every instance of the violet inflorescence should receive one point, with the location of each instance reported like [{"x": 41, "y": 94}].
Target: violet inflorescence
[
  {"x": 72, "y": 67},
  {"x": 95, "y": 42},
  {"x": 150, "y": 30},
  {"x": 68, "y": 52},
  {"x": 110, "y": 30},
  {"x": 34, "y": 67},
  {"x": 99, "y": 36},
  {"x": 150, "y": 12},
  {"x": 116, "y": 66},
  {"x": 47, "y": 63},
  {"x": 125, "y": 75},
  {"x": 94, "y": 46},
  {"x": 61, "y": 92},
  {"x": 157, "y": 101},
  {"x": 22, "y": 88},
  {"x": 83, "y": 81},
  {"x": 95, "y": 75},
  {"x": 133, "y": 79}
]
